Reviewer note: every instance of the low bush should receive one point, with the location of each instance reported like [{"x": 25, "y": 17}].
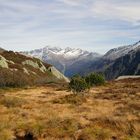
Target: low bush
[
  {"x": 78, "y": 84},
  {"x": 95, "y": 79}
]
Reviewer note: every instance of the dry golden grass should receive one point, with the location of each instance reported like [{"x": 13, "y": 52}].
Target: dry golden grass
[{"x": 51, "y": 112}]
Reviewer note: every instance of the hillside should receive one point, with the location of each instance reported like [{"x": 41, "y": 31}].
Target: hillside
[{"x": 19, "y": 70}]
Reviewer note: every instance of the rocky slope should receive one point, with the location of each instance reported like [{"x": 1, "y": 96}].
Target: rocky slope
[
  {"x": 68, "y": 60},
  {"x": 15, "y": 67}
]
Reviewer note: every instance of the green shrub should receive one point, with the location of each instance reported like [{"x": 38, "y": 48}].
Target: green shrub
[
  {"x": 95, "y": 79},
  {"x": 78, "y": 84}
]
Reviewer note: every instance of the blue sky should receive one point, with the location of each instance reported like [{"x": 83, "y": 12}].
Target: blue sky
[{"x": 95, "y": 25}]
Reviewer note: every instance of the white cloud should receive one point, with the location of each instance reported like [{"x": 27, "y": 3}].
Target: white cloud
[
  {"x": 75, "y": 23},
  {"x": 72, "y": 2},
  {"x": 127, "y": 11}
]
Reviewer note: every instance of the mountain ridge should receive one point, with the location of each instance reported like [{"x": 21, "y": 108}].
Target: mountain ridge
[
  {"x": 119, "y": 61},
  {"x": 63, "y": 59},
  {"x": 121, "y": 51},
  {"x": 71, "y": 61}
]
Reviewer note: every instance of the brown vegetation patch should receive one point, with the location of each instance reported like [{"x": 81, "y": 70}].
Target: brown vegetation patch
[
  {"x": 50, "y": 112},
  {"x": 71, "y": 99},
  {"x": 9, "y": 101}
]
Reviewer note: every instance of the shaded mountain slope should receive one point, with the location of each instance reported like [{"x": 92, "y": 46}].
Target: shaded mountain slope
[
  {"x": 124, "y": 60},
  {"x": 128, "y": 64}
]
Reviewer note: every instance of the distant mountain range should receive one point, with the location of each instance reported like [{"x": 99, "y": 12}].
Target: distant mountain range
[
  {"x": 124, "y": 60},
  {"x": 69, "y": 61}
]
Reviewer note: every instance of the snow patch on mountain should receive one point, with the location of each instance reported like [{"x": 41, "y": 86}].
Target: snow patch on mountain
[
  {"x": 121, "y": 51},
  {"x": 63, "y": 59},
  {"x": 59, "y": 53}
]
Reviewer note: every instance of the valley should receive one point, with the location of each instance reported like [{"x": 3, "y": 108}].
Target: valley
[{"x": 53, "y": 112}]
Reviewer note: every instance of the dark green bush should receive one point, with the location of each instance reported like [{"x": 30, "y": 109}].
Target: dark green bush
[
  {"x": 78, "y": 84},
  {"x": 95, "y": 79}
]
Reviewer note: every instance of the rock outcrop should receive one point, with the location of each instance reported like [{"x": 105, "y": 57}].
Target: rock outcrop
[
  {"x": 36, "y": 65},
  {"x": 58, "y": 74},
  {"x": 3, "y": 62}
]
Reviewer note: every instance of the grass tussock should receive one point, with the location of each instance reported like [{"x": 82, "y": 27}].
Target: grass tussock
[
  {"x": 9, "y": 101},
  {"x": 6, "y": 134},
  {"x": 73, "y": 99},
  {"x": 94, "y": 132}
]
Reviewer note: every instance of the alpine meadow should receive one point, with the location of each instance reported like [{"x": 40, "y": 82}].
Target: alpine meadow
[{"x": 69, "y": 70}]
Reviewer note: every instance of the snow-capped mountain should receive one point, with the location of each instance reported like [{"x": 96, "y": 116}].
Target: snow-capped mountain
[
  {"x": 67, "y": 53},
  {"x": 119, "y": 61},
  {"x": 121, "y": 51},
  {"x": 70, "y": 61},
  {"x": 64, "y": 59}
]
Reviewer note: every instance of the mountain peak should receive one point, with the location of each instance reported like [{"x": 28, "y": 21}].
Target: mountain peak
[
  {"x": 66, "y": 53},
  {"x": 54, "y": 48},
  {"x": 121, "y": 51},
  {"x": 63, "y": 58}
]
